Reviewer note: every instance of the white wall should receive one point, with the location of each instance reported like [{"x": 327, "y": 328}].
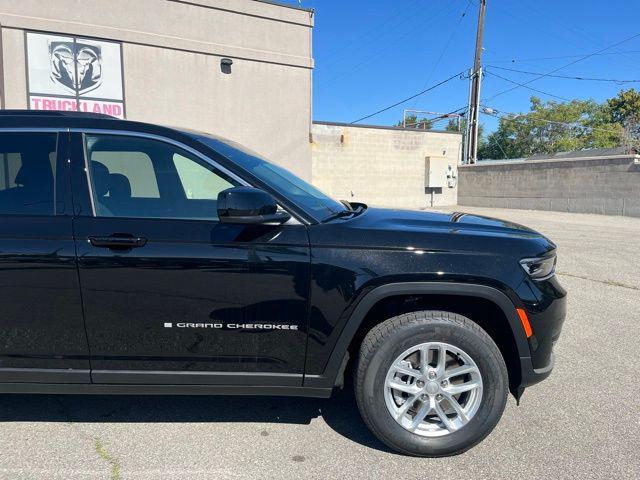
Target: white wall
[{"x": 380, "y": 166}]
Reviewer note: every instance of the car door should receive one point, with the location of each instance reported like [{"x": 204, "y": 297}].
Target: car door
[
  {"x": 42, "y": 335},
  {"x": 171, "y": 295}
]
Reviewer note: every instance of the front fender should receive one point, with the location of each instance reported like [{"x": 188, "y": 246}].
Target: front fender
[{"x": 336, "y": 360}]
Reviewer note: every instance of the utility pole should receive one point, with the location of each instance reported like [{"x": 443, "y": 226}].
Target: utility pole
[{"x": 471, "y": 148}]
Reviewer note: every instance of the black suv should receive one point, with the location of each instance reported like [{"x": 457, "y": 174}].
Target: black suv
[{"x": 138, "y": 259}]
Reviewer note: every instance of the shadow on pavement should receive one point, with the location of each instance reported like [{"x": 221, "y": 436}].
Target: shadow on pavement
[{"x": 340, "y": 412}]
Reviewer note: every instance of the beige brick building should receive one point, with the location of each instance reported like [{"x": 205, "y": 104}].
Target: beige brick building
[
  {"x": 163, "y": 61},
  {"x": 241, "y": 69},
  {"x": 391, "y": 167}
]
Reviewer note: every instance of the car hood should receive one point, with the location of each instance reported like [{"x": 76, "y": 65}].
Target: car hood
[
  {"x": 389, "y": 228},
  {"x": 429, "y": 219}
]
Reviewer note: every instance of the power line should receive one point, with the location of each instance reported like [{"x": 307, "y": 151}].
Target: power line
[
  {"x": 429, "y": 121},
  {"x": 444, "y": 117},
  {"x": 451, "y": 115},
  {"x": 409, "y": 98},
  {"x": 458, "y": 110},
  {"x": 574, "y": 28},
  {"x": 377, "y": 55},
  {"x": 561, "y": 57},
  {"x": 528, "y": 87},
  {"x": 495, "y": 140},
  {"x": 378, "y": 31},
  {"x": 520, "y": 117},
  {"x": 569, "y": 77},
  {"x": 565, "y": 66},
  {"x": 539, "y": 26},
  {"x": 446, "y": 46}
]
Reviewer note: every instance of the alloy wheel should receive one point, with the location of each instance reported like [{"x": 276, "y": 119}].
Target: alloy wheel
[{"x": 433, "y": 389}]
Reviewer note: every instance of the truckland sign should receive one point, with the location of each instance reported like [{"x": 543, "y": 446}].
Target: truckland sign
[{"x": 75, "y": 74}]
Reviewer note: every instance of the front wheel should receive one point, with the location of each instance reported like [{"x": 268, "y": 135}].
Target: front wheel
[{"x": 430, "y": 383}]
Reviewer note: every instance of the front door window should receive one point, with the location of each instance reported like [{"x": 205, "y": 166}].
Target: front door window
[{"x": 136, "y": 177}]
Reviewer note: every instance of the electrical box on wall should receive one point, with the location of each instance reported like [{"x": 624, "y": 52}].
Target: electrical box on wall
[{"x": 436, "y": 169}]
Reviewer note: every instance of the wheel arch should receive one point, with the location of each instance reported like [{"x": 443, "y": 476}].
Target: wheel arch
[{"x": 357, "y": 323}]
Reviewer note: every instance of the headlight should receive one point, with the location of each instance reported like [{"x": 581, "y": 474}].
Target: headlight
[{"x": 539, "y": 268}]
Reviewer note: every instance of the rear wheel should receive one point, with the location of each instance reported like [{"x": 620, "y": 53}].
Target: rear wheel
[{"x": 430, "y": 383}]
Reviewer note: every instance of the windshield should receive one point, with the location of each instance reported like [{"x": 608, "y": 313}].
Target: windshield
[{"x": 303, "y": 194}]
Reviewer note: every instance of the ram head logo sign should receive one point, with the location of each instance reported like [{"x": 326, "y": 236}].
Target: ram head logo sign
[{"x": 77, "y": 66}]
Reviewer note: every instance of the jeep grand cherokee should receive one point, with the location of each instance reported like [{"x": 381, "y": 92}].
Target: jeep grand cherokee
[{"x": 138, "y": 259}]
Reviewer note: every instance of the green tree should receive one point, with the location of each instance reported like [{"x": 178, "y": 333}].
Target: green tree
[
  {"x": 624, "y": 109},
  {"x": 552, "y": 127},
  {"x": 411, "y": 121},
  {"x": 452, "y": 126}
]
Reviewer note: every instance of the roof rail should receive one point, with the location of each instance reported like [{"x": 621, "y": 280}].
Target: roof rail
[{"x": 53, "y": 113}]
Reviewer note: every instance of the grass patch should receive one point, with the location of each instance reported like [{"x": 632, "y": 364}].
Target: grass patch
[{"x": 113, "y": 462}]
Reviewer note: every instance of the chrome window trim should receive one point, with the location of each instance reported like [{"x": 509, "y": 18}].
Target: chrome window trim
[
  {"x": 88, "y": 178},
  {"x": 34, "y": 129},
  {"x": 295, "y": 219}
]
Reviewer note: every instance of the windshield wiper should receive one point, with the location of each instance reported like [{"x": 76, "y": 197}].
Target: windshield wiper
[
  {"x": 344, "y": 213},
  {"x": 346, "y": 204},
  {"x": 333, "y": 216}
]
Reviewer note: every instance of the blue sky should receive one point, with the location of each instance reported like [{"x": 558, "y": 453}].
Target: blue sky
[{"x": 370, "y": 54}]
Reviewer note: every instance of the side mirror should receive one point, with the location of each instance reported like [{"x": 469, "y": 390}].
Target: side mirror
[{"x": 249, "y": 206}]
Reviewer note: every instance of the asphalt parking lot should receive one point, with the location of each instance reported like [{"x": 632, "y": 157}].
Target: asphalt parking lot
[{"x": 583, "y": 422}]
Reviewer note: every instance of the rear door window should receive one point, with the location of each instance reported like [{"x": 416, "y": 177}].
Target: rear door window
[{"x": 27, "y": 173}]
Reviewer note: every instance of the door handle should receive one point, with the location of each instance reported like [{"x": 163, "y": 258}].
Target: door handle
[{"x": 118, "y": 241}]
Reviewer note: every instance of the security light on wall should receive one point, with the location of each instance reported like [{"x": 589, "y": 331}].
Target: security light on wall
[{"x": 225, "y": 65}]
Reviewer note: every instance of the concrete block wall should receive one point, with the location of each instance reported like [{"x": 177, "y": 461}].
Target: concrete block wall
[
  {"x": 380, "y": 166},
  {"x": 607, "y": 185}
]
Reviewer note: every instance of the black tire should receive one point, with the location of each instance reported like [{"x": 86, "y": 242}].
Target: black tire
[{"x": 385, "y": 342}]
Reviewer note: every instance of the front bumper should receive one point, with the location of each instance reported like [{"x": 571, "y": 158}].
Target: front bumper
[
  {"x": 545, "y": 305},
  {"x": 530, "y": 375}
]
